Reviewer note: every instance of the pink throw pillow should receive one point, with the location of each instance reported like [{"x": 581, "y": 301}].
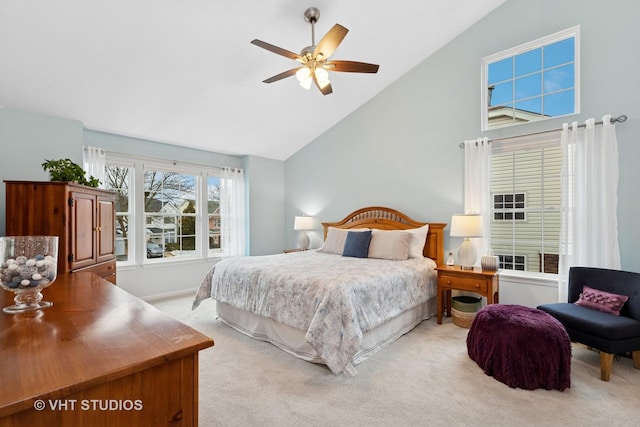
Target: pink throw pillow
[{"x": 601, "y": 301}]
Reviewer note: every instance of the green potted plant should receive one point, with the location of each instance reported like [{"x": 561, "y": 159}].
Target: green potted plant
[{"x": 68, "y": 171}]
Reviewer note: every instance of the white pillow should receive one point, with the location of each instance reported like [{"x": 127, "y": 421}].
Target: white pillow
[
  {"x": 390, "y": 244},
  {"x": 418, "y": 240},
  {"x": 336, "y": 237}
]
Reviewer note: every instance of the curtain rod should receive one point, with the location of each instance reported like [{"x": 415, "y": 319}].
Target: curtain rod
[{"x": 620, "y": 119}]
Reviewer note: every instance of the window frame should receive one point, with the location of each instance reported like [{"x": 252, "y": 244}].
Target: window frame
[
  {"x": 524, "y": 48},
  {"x": 137, "y": 215},
  {"x": 512, "y": 210},
  {"x": 131, "y": 238},
  {"x": 197, "y": 175},
  {"x": 502, "y": 261}
]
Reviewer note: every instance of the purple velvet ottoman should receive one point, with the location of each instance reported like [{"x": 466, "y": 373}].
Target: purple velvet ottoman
[{"x": 521, "y": 347}]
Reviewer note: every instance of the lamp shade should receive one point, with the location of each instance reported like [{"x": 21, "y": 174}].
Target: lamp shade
[
  {"x": 303, "y": 223},
  {"x": 466, "y": 225}
]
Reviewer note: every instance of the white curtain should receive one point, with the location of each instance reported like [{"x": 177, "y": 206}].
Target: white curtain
[
  {"x": 477, "y": 158},
  {"x": 94, "y": 163},
  {"x": 589, "y": 225},
  {"x": 232, "y": 222}
]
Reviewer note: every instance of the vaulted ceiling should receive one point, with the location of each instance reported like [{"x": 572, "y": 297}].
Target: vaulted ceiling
[{"x": 183, "y": 71}]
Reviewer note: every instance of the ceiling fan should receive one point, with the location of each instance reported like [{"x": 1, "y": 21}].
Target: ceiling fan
[{"x": 315, "y": 58}]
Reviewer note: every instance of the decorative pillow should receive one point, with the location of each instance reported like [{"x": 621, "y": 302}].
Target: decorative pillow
[
  {"x": 389, "y": 244},
  {"x": 336, "y": 237},
  {"x": 418, "y": 240},
  {"x": 357, "y": 244},
  {"x": 601, "y": 301}
]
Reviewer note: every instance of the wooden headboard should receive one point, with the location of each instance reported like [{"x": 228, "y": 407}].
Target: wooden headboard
[{"x": 390, "y": 219}]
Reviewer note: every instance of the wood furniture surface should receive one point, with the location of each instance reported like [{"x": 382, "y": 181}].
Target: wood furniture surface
[
  {"x": 100, "y": 357},
  {"x": 480, "y": 281},
  {"x": 82, "y": 217},
  {"x": 390, "y": 219}
]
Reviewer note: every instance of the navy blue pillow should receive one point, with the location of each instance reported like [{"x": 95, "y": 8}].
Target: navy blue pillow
[{"x": 357, "y": 244}]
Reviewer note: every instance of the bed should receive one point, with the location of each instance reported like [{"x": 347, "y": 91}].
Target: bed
[{"x": 324, "y": 307}]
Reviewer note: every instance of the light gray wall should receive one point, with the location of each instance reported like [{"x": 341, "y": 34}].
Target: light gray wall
[
  {"x": 145, "y": 148},
  {"x": 401, "y": 148},
  {"x": 27, "y": 140},
  {"x": 265, "y": 183}
]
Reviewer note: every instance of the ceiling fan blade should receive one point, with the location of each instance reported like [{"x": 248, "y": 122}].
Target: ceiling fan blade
[
  {"x": 351, "y": 67},
  {"x": 281, "y": 76},
  {"x": 326, "y": 90},
  {"x": 275, "y": 49},
  {"x": 330, "y": 42}
]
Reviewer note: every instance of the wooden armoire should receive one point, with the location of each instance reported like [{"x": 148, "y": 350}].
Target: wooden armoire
[{"x": 82, "y": 217}]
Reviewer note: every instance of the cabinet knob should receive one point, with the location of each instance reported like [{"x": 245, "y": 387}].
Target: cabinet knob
[{"x": 448, "y": 282}]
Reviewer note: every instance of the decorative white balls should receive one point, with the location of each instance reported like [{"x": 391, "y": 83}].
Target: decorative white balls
[{"x": 22, "y": 272}]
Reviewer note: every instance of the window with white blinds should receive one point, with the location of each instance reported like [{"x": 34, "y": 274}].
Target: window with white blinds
[{"x": 525, "y": 200}]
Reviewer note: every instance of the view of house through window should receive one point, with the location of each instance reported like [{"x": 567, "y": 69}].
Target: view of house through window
[
  {"x": 533, "y": 81},
  {"x": 213, "y": 212},
  {"x": 525, "y": 195},
  {"x": 178, "y": 210},
  {"x": 170, "y": 213},
  {"x": 118, "y": 179}
]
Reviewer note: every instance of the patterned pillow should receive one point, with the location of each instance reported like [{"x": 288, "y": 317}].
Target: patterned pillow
[
  {"x": 601, "y": 301},
  {"x": 357, "y": 244}
]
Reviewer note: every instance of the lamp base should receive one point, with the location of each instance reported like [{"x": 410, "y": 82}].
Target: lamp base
[
  {"x": 303, "y": 241},
  {"x": 467, "y": 254}
]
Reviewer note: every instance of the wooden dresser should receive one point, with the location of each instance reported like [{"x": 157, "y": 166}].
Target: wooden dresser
[
  {"x": 82, "y": 217},
  {"x": 98, "y": 357}
]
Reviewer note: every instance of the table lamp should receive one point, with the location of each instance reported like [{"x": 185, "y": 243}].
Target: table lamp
[
  {"x": 466, "y": 226},
  {"x": 301, "y": 224}
]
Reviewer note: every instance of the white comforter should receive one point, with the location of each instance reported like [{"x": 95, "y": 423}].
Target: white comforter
[{"x": 335, "y": 299}]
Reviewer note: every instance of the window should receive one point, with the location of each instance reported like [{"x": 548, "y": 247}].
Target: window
[
  {"x": 170, "y": 204},
  {"x": 509, "y": 207},
  {"x": 512, "y": 262},
  {"x": 164, "y": 212},
  {"x": 213, "y": 212},
  {"x": 533, "y": 81},
  {"x": 525, "y": 200},
  {"x": 118, "y": 178}
]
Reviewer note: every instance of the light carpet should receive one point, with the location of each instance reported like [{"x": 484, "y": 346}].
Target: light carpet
[{"x": 425, "y": 378}]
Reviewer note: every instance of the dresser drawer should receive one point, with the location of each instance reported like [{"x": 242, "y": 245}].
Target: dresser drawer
[
  {"x": 106, "y": 270},
  {"x": 463, "y": 283}
]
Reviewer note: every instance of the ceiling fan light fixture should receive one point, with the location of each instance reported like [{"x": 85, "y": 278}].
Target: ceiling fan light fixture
[
  {"x": 322, "y": 76},
  {"x": 304, "y": 77}
]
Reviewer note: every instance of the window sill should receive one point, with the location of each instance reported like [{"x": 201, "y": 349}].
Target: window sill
[
  {"x": 530, "y": 277},
  {"x": 129, "y": 266}
]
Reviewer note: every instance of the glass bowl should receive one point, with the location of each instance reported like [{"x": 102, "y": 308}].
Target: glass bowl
[{"x": 28, "y": 264}]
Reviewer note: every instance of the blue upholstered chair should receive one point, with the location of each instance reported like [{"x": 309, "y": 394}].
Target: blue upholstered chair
[{"x": 603, "y": 331}]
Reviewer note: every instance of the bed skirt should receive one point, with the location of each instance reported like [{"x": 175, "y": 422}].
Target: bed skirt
[{"x": 293, "y": 341}]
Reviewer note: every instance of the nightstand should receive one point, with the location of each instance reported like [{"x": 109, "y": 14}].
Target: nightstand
[{"x": 480, "y": 281}]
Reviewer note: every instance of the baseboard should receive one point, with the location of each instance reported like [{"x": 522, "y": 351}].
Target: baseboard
[{"x": 167, "y": 295}]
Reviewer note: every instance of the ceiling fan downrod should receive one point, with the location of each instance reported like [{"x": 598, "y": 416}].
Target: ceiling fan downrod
[{"x": 311, "y": 15}]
